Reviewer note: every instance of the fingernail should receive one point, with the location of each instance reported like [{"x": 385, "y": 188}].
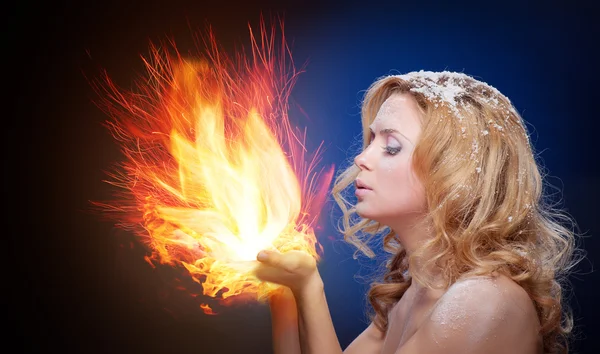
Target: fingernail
[{"x": 261, "y": 256}]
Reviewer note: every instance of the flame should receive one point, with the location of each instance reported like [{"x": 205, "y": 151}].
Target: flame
[
  {"x": 214, "y": 171},
  {"x": 207, "y": 310}
]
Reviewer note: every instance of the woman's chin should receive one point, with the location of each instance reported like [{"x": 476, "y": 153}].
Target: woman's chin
[{"x": 363, "y": 211}]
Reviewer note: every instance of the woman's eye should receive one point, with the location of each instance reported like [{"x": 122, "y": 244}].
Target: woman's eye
[{"x": 392, "y": 150}]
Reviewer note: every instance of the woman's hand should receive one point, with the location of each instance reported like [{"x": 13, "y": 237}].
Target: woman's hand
[
  {"x": 309, "y": 329},
  {"x": 295, "y": 269}
]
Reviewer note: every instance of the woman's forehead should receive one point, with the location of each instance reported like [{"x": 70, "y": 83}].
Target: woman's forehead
[{"x": 398, "y": 110}]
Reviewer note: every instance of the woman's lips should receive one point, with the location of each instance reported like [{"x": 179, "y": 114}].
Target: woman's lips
[
  {"x": 361, "y": 188},
  {"x": 359, "y": 184},
  {"x": 360, "y": 192}
]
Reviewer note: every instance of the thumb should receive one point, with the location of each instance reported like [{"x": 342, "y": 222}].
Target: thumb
[
  {"x": 269, "y": 257},
  {"x": 291, "y": 261}
]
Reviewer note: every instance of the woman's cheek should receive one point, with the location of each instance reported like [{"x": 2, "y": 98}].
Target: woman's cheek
[
  {"x": 393, "y": 166},
  {"x": 388, "y": 165}
]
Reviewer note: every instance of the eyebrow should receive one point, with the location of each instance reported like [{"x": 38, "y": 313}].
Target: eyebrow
[{"x": 390, "y": 131}]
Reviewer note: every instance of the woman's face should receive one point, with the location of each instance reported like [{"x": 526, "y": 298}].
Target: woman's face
[{"x": 387, "y": 189}]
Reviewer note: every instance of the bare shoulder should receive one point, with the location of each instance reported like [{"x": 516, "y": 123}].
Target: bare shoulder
[
  {"x": 479, "y": 314},
  {"x": 485, "y": 296}
]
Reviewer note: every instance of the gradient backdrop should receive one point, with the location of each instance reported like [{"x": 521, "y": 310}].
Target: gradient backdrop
[{"x": 77, "y": 290}]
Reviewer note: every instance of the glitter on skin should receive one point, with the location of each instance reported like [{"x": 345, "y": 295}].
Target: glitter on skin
[{"x": 455, "y": 309}]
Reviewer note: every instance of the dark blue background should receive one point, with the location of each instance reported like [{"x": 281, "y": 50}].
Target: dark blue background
[{"x": 78, "y": 290}]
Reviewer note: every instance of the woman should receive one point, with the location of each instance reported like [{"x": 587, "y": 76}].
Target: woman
[{"x": 448, "y": 177}]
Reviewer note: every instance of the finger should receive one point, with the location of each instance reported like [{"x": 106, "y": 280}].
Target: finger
[
  {"x": 292, "y": 261},
  {"x": 262, "y": 256},
  {"x": 269, "y": 257}
]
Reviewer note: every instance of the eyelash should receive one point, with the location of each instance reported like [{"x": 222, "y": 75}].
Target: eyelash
[
  {"x": 388, "y": 149},
  {"x": 391, "y": 150}
]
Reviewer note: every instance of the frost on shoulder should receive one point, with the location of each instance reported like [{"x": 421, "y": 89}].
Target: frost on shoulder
[{"x": 479, "y": 315}]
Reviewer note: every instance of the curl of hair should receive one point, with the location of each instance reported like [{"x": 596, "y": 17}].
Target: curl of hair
[{"x": 486, "y": 203}]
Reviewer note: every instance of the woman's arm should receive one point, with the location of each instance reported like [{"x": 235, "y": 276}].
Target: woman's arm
[
  {"x": 284, "y": 322},
  {"x": 317, "y": 334}
]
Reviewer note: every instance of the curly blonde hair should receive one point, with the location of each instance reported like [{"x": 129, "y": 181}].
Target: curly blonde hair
[{"x": 486, "y": 202}]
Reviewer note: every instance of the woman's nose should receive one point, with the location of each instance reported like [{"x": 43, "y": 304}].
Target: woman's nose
[{"x": 361, "y": 161}]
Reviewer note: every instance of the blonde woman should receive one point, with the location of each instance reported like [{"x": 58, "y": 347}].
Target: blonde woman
[{"x": 448, "y": 178}]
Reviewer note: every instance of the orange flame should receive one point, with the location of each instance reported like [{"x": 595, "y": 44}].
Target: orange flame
[
  {"x": 214, "y": 170},
  {"x": 207, "y": 310}
]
